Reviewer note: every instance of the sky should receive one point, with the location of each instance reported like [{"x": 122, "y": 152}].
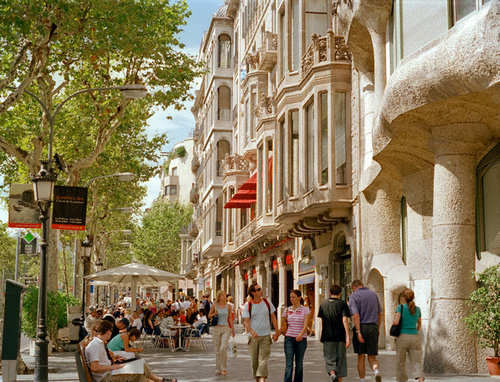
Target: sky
[{"x": 182, "y": 123}]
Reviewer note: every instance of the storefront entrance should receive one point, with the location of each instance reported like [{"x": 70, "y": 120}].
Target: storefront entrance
[{"x": 339, "y": 267}]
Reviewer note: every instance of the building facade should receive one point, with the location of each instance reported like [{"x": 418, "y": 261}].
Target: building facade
[
  {"x": 361, "y": 143},
  {"x": 176, "y": 176}
]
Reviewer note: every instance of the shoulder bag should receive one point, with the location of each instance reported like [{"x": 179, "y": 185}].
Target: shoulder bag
[
  {"x": 284, "y": 323},
  {"x": 396, "y": 329}
]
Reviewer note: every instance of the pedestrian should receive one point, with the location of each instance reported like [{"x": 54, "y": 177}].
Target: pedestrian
[
  {"x": 294, "y": 323},
  {"x": 334, "y": 314},
  {"x": 258, "y": 314},
  {"x": 409, "y": 341},
  {"x": 221, "y": 332},
  {"x": 367, "y": 316}
]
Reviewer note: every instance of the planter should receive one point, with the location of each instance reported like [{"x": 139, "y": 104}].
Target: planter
[{"x": 493, "y": 365}]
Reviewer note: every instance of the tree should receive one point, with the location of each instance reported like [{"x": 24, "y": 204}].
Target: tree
[
  {"x": 54, "y": 48},
  {"x": 7, "y": 251},
  {"x": 156, "y": 241}
]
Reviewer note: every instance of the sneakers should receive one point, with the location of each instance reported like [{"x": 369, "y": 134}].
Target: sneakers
[{"x": 334, "y": 377}]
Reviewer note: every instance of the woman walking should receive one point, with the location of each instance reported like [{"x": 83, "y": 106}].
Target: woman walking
[
  {"x": 409, "y": 341},
  {"x": 221, "y": 331},
  {"x": 296, "y": 318}
]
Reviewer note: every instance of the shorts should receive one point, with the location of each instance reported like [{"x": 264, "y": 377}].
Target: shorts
[{"x": 370, "y": 335}]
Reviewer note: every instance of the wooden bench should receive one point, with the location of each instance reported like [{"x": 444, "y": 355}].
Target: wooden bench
[{"x": 82, "y": 367}]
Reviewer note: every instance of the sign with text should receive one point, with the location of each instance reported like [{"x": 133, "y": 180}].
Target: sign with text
[
  {"x": 70, "y": 208},
  {"x": 28, "y": 244},
  {"x": 23, "y": 211}
]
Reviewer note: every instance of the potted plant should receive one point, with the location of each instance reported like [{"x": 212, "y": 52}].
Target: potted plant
[{"x": 484, "y": 319}]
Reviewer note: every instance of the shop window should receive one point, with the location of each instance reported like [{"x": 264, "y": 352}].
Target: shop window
[{"x": 488, "y": 203}]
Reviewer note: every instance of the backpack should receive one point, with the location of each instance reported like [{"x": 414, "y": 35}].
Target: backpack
[{"x": 268, "y": 308}]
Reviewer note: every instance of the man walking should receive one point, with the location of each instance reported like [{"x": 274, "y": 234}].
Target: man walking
[
  {"x": 258, "y": 314},
  {"x": 367, "y": 316},
  {"x": 334, "y": 314}
]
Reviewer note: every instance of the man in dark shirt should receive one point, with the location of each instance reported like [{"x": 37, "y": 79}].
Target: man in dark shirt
[
  {"x": 367, "y": 316},
  {"x": 335, "y": 333}
]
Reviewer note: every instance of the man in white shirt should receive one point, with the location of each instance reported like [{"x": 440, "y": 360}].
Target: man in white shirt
[
  {"x": 89, "y": 320},
  {"x": 137, "y": 323},
  {"x": 258, "y": 315}
]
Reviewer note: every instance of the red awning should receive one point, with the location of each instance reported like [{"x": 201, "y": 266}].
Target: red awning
[{"x": 246, "y": 194}]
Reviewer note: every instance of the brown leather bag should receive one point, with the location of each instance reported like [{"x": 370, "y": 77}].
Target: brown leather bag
[{"x": 284, "y": 324}]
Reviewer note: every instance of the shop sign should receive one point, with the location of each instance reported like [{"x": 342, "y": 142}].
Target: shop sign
[
  {"x": 246, "y": 275},
  {"x": 254, "y": 272},
  {"x": 288, "y": 259},
  {"x": 70, "y": 208},
  {"x": 306, "y": 267},
  {"x": 275, "y": 265},
  {"x": 23, "y": 211},
  {"x": 28, "y": 244}
]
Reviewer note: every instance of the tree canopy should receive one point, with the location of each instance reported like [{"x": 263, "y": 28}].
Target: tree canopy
[{"x": 156, "y": 240}]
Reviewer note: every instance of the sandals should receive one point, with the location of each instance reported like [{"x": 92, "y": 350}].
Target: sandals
[
  {"x": 169, "y": 380},
  {"x": 224, "y": 372},
  {"x": 217, "y": 372}
]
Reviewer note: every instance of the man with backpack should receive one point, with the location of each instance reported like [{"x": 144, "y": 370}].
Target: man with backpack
[{"x": 258, "y": 314}]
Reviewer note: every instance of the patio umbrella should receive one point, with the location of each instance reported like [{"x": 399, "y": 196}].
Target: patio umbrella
[{"x": 134, "y": 274}]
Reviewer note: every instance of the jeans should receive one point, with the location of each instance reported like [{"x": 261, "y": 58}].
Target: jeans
[{"x": 295, "y": 349}]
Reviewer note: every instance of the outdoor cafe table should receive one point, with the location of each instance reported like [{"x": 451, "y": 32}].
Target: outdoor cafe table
[{"x": 179, "y": 328}]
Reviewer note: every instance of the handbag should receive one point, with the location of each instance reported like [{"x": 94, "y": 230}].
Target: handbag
[
  {"x": 396, "y": 329},
  {"x": 214, "y": 321},
  {"x": 284, "y": 324}
]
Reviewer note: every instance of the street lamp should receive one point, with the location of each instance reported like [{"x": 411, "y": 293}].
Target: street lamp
[
  {"x": 122, "y": 176},
  {"x": 43, "y": 188}
]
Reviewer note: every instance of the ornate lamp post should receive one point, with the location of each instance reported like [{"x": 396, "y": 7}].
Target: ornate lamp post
[{"x": 43, "y": 186}]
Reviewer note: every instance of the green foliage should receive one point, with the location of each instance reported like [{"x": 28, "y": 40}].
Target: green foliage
[
  {"x": 180, "y": 152},
  {"x": 484, "y": 319},
  {"x": 7, "y": 251},
  {"x": 57, "y": 318},
  {"x": 156, "y": 241}
]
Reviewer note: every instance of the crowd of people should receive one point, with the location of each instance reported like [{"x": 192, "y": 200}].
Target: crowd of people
[{"x": 259, "y": 318}]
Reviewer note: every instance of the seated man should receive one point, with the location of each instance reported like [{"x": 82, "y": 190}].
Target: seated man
[
  {"x": 137, "y": 323},
  {"x": 100, "y": 363},
  {"x": 201, "y": 323},
  {"x": 164, "y": 327}
]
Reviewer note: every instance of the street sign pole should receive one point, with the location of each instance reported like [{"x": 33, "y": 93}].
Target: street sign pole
[{"x": 18, "y": 248}]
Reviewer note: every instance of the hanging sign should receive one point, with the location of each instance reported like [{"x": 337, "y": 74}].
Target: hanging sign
[
  {"x": 70, "y": 208},
  {"x": 23, "y": 211},
  {"x": 28, "y": 244}
]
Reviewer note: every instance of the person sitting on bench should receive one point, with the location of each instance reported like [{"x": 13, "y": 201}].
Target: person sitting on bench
[{"x": 100, "y": 362}]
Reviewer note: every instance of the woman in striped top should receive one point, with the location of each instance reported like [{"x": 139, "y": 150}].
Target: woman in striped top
[{"x": 297, "y": 318}]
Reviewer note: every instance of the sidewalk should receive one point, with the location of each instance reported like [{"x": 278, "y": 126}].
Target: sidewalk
[{"x": 196, "y": 366}]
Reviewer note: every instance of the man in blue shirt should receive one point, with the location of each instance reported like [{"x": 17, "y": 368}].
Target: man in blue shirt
[{"x": 367, "y": 315}]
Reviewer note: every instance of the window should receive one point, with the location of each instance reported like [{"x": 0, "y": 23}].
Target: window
[
  {"x": 282, "y": 51},
  {"x": 268, "y": 167},
  {"x": 173, "y": 189},
  {"x": 294, "y": 33},
  {"x": 410, "y": 33},
  {"x": 253, "y": 115},
  {"x": 174, "y": 171},
  {"x": 218, "y": 216},
  {"x": 283, "y": 147},
  {"x": 260, "y": 179},
  {"x": 324, "y": 137},
  {"x": 315, "y": 19},
  {"x": 224, "y": 103},
  {"x": 404, "y": 228},
  {"x": 224, "y": 51},
  {"x": 232, "y": 222},
  {"x": 309, "y": 136},
  {"x": 293, "y": 162},
  {"x": 488, "y": 203},
  {"x": 223, "y": 150},
  {"x": 340, "y": 138}
]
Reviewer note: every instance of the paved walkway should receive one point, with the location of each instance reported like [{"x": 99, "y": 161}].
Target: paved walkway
[{"x": 199, "y": 366}]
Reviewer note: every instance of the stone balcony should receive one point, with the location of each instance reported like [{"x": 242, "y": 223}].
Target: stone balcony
[
  {"x": 324, "y": 49},
  {"x": 268, "y": 52}
]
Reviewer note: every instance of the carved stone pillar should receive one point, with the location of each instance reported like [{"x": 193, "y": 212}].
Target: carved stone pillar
[{"x": 450, "y": 348}]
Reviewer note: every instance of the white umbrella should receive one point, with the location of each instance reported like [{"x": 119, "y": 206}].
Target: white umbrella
[{"x": 134, "y": 274}]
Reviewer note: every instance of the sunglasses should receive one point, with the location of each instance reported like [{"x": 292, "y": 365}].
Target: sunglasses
[{"x": 257, "y": 289}]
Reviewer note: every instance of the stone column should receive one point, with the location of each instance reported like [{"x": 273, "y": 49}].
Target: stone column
[
  {"x": 269, "y": 275},
  {"x": 282, "y": 282},
  {"x": 450, "y": 348}
]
